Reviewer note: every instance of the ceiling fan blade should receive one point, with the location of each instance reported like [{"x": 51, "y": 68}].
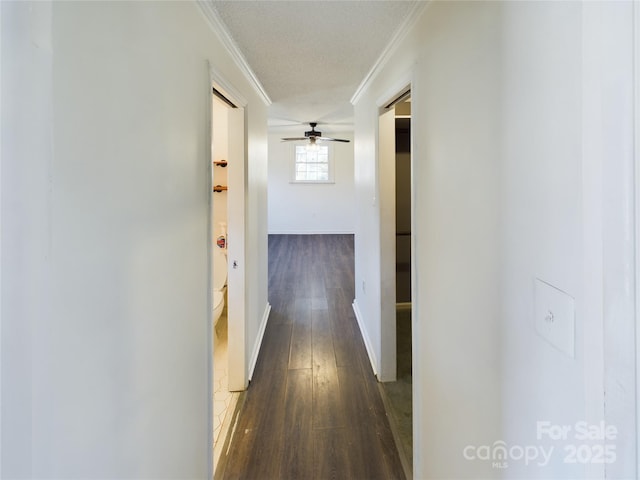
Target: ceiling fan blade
[
  {"x": 313, "y": 135},
  {"x": 328, "y": 139}
]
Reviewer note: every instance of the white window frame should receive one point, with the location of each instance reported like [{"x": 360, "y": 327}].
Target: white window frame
[{"x": 311, "y": 182}]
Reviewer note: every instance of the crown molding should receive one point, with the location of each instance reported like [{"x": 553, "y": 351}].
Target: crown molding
[
  {"x": 401, "y": 33},
  {"x": 219, "y": 83},
  {"x": 220, "y": 29}
]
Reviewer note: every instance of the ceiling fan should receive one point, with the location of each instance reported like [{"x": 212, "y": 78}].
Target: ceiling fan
[{"x": 313, "y": 136}]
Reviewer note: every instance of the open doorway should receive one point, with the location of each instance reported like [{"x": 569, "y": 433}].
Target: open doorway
[
  {"x": 396, "y": 269},
  {"x": 229, "y": 373},
  {"x": 400, "y": 392}
]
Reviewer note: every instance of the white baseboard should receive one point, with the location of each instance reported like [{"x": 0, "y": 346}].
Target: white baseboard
[
  {"x": 365, "y": 336},
  {"x": 258, "y": 343}
]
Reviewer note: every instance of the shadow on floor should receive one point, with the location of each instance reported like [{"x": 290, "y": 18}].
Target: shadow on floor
[{"x": 399, "y": 393}]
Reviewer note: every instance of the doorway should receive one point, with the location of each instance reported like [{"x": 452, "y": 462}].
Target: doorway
[
  {"x": 226, "y": 248},
  {"x": 395, "y": 174}
]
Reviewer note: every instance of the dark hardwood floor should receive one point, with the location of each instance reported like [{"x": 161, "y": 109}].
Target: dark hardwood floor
[{"x": 313, "y": 409}]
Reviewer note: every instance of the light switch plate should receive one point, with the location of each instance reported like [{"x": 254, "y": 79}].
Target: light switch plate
[{"x": 555, "y": 317}]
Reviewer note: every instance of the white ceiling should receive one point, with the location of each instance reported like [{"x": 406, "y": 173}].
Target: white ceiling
[{"x": 311, "y": 56}]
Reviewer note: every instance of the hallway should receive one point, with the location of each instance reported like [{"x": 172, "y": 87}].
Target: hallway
[
  {"x": 313, "y": 409},
  {"x": 525, "y": 208}
]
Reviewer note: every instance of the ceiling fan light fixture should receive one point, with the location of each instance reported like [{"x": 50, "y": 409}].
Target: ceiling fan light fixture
[{"x": 312, "y": 146}]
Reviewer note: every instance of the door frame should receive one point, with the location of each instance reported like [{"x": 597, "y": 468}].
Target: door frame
[
  {"x": 385, "y": 186},
  {"x": 237, "y": 181},
  {"x": 387, "y": 203},
  {"x": 387, "y": 370}
]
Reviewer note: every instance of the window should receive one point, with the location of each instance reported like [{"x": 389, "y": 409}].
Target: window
[{"x": 312, "y": 165}]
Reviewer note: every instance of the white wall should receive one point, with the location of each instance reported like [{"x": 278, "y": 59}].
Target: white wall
[
  {"x": 568, "y": 162},
  {"x": 522, "y": 156},
  {"x": 567, "y": 205},
  {"x": 609, "y": 191},
  {"x": 456, "y": 369},
  {"x": 256, "y": 224},
  {"x": 26, "y": 161},
  {"x": 105, "y": 328},
  {"x": 307, "y": 208},
  {"x": 541, "y": 203}
]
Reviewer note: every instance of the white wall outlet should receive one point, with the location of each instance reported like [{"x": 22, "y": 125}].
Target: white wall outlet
[{"x": 555, "y": 317}]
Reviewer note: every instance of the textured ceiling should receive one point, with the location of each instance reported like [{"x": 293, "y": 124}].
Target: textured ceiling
[{"x": 311, "y": 56}]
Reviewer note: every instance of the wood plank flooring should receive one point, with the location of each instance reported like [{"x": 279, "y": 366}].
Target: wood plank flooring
[{"x": 313, "y": 409}]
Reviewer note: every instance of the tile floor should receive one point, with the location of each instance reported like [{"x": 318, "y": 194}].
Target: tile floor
[{"x": 223, "y": 400}]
